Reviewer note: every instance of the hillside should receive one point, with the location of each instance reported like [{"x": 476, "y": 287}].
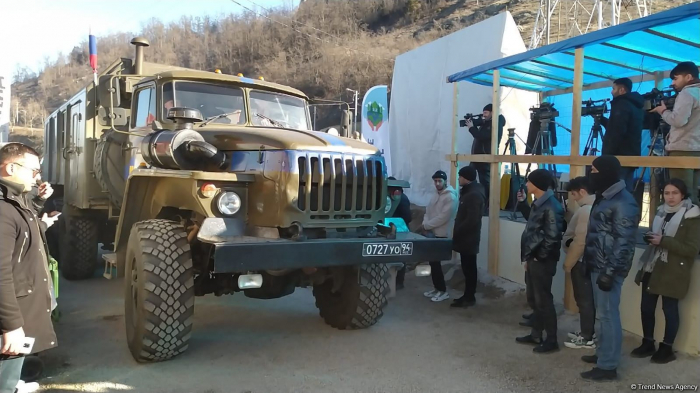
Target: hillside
[{"x": 322, "y": 47}]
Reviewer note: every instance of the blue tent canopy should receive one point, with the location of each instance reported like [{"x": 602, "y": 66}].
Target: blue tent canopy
[{"x": 640, "y": 47}]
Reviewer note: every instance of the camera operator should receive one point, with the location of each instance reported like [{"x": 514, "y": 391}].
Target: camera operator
[
  {"x": 623, "y": 130},
  {"x": 684, "y": 119},
  {"x": 482, "y": 144}
]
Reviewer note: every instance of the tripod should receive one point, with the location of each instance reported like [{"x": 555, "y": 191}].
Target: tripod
[
  {"x": 658, "y": 138},
  {"x": 543, "y": 141},
  {"x": 515, "y": 168},
  {"x": 591, "y": 148}
]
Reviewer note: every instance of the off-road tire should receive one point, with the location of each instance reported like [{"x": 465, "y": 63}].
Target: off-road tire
[
  {"x": 102, "y": 166},
  {"x": 159, "y": 306},
  {"x": 360, "y": 301},
  {"x": 78, "y": 248}
]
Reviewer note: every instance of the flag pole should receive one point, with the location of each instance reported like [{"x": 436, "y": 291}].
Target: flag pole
[{"x": 92, "y": 44}]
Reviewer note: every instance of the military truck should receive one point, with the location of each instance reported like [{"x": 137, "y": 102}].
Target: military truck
[{"x": 203, "y": 183}]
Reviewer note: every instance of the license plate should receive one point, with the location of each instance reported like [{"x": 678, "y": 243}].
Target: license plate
[{"x": 387, "y": 249}]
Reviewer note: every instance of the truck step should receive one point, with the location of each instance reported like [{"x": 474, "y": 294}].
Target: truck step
[{"x": 110, "y": 265}]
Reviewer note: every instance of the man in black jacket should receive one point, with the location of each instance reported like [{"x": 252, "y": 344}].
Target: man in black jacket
[
  {"x": 623, "y": 130},
  {"x": 26, "y": 293},
  {"x": 608, "y": 254},
  {"x": 466, "y": 235},
  {"x": 403, "y": 211},
  {"x": 482, "y": 145},
  {"x": 540, "y": 247}
]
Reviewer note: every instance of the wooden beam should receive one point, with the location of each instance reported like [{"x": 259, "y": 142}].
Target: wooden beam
[
  {"x": 455, "y": 122},
  {"x": 495, "y": 186},
  {"x": 576, "y": 112},
  {"x": 626, "y": 161}
]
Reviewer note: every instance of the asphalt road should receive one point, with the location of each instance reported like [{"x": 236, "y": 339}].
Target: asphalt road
[{"x": 242, "y": 345}]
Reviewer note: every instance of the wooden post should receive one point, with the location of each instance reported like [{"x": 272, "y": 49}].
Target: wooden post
[
  {"x": 495, "y": 187},
  {"x": 575, "y": 171},
  {"x": 654, "y": 194},
  {"x": 454, "y": 162}
]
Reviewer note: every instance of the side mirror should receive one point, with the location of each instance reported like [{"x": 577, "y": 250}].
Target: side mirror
[{"x": 106, "y": 91}]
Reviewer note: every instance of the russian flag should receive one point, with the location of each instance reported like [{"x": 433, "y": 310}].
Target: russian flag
[{"x": 93, "y": 52}]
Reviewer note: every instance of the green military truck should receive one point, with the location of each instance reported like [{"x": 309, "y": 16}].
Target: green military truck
[{"x": 206, "y": 183}]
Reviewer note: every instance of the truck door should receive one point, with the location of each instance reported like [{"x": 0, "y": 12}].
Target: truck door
[{"x": 74, "y": 154}]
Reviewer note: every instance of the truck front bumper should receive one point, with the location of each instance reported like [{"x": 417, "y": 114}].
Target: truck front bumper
[{"x": 246, "y": 254}]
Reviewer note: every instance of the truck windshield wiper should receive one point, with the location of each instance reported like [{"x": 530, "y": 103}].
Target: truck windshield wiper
[
  {"x": 274, "y": 122},
  {"x": 219, "y": 116}
]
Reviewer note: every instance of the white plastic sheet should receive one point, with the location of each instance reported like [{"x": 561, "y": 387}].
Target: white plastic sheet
[{"x": 421, "y": 104}]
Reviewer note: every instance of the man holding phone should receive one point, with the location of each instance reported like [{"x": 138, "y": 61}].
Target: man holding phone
[{"x": 26, "y": 293}]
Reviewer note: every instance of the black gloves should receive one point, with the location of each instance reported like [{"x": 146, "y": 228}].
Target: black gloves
[
  {"x": 568, "y": 242},
  {"x": 605, "y": 282}
]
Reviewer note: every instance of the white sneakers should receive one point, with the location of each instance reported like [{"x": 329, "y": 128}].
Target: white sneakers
[
  {"x": 436, "y": 296},
  {"x": 578, "y": 342},
  {"x": 573, "y": 335},
  {"x": 26, "y": 387}
]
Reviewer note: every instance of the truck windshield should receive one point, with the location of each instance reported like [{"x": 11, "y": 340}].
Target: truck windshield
[
  {"x": 278, "y": 110},
  {"x": 211, "y": 100}
]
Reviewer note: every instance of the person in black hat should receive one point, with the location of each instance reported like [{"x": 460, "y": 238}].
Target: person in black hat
[
  {"x": 540, "y": 247},
  {"x": 466, "y": 235},
  {"x": 608, "y": 254},
  {"x": 403, "y": 211},
  {"x": 438, "y": 222},
  {"x": 482, "y": 145}
]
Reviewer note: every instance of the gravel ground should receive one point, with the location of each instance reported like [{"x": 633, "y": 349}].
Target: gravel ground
[{"x": 242, "y": 345}]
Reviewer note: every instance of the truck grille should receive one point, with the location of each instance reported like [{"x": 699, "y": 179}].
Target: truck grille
[{"x": 341, "y": 185}]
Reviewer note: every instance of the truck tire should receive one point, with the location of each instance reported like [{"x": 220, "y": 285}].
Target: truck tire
[
  {"x": 159, "y": 293},
  {"x": 360, "y": 301},
  {"x": 78, "y": 248}
]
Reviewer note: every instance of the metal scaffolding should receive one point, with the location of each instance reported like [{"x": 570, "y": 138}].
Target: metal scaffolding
[{"x": 561, "y": 19}]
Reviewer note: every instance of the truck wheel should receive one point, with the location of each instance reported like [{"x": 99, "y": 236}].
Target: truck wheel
[
  {"x": 359, "y": 302},
  {"x": 78, "y": 249},
  {"x": 159, "y": 296}
]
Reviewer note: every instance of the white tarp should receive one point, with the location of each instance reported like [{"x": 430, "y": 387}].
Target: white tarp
[
  {"x": 4, "y": 106},
  {"x": 375, "y": 121},
  {"x": 421, "y": 120}
]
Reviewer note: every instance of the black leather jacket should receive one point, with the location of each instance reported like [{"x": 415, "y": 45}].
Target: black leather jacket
[
  {"x": 541, "y": 239},
  {"x": 612, "y": 231}
]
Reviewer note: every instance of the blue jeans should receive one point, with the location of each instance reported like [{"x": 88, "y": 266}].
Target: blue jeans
[
  {"x": 607, "y": 308},
  {"x": 10, "y": 371}
]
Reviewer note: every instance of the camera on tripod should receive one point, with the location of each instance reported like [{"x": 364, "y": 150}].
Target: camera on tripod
[
  {"x": 655, "y": 97},
  {"x": 545, "y": 111},
  {"x": 594, "y": 109},
  {"x": 477, "y": 120}
]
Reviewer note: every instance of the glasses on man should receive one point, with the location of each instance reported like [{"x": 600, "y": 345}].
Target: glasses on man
[{"x": 34, "y": 171}]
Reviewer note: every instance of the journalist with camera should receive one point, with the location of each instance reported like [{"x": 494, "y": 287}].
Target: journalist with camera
[
  {"x": 684, "y": 119},
  {"x": 480, "y": 128},
  {"x": 623, "y": 130}
]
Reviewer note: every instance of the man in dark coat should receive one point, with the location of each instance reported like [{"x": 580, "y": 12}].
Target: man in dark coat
[
  {"x": 623, "y": 130},
  {"x": 482, "y": 145},
  {"x": 26, "y": 293},
  {"x": 466, "y": 235},
  {"x": 403, "y": 211},
  {"x": 608, "y": 254},
  {"x": 540, "y": 248}
]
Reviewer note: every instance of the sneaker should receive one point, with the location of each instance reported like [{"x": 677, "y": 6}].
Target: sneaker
[
  {"x": 430, "y": 293},
  {"x": 26, "y": 387},
  {"x": 580, "y": 343},
  {"x": 599, "y": 375},
  {"x": 575, "y": 335},
  {"x": 440, "y": 296}
]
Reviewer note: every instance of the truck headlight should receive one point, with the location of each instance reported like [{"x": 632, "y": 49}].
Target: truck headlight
[
  {"x": 229, "y": 203},
  {"x": 387, "y": 209}
]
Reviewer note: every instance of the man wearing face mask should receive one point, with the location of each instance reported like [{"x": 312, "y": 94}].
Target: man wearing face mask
[
  {"x": 26, "y": 291},
  {"x": 610, "y": 244}
]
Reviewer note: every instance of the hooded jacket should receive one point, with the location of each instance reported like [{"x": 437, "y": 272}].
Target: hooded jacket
[
  {"x": 440, "y": 213},
  {"x": 623, "y": 130},
  {"x": 576, "y": 232},
  {"x": 612, "y": 231},
  {"x": 684, "y": 120},
  {"x": 25, "y": 284}
]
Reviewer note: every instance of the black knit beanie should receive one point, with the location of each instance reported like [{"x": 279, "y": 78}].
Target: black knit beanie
[
  {"x": 541, "y": 178},
  {"x": 468, "y": 173},
  {"x": 489, "y": 108}
]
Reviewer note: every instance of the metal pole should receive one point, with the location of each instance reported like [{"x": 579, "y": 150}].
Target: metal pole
[
  {"x": 354, "y": 120},
  {"x": 600, "y": 14},
  {"x": 549, "y": 24}
]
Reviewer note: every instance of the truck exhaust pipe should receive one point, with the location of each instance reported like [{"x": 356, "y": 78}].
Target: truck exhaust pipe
[{"x": 139, "y": 43}]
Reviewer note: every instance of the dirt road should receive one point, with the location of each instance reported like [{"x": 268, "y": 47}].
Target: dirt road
[{"x": 242, "y": 345}]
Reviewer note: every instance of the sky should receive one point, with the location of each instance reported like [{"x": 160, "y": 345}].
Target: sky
[{"x": 30, "y": 30}]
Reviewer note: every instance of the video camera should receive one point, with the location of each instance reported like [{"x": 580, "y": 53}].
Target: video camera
[
  {"x": 477, "y": 120},
  {"x": 545, "y": 111},
  {"x": 655, "y": 97},
  {"x": 590, "y": 108}
]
